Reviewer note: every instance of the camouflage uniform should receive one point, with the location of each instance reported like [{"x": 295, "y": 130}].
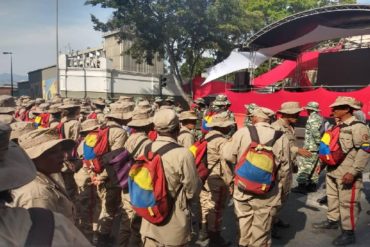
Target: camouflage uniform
[
  {"x": 221, "y": 104},
  {"x": 306, "y": 166},
  {"x": 249, "y": 109}
]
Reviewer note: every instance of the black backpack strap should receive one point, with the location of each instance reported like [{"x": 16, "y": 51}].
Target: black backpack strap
[
  {"x": 213, "y": 137},
  {"x": 253, "y": 132},
  {"x": 167, "y": 148},
  {"x": 41, "y": 232},
  {"x": 138, "y": 146},
  {"x": 276, "y": 137}
]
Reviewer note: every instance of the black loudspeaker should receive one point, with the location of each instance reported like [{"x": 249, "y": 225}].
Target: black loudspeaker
[{"x": 242, "y": 80}]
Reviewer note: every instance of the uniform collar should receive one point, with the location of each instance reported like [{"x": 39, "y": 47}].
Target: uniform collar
[{"x": 350, "y": 120}]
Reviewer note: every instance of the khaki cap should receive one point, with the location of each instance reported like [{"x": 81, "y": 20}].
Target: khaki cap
[
  {"x": 263, "y": 112},
  {"x": 39, "y": 101},
  {"x": 28, "y": 103},
  {"x": 6, "y": 118},
  {"x": 38, "y": 141},
  {"x": 89, "y": 125},
  {"x": 313, "y": 106},
  {"x": 20, "y": 128},
  {"x": 124, "y": 98},
  {"x": 7, "y": 104},
  {"x": 43, "y": 107},
  {"x": 290, "y": 107},
  {"x": 16, "y": 168},
  {"x": 188, "y": 115},
  {"x": 99, "y": 101},
  {"x": 120, "y": 111},
  {"x": 165, "y": 120},
  {"x": 140, "y": 118},
  {"x": 344, "y": 100},
  {"x": 222, "y": 120},
  {"x": 55, "y": 108},
  {"x": 70, "y": 103}
]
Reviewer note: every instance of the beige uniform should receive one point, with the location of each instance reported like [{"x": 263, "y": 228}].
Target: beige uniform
[
  {"x": 185, "y": 138},
  {"x": 43, "y": 192},
  {"x": 108, "y": 192},
  {"x": 254, "y": 212},
  {"x": 181, "y": 174},
  {"x": 16, "y": 222},
  {"x": 215, "y": 193},
  {"x": 71, "y": 131},
  {"x": 130, "y": 223},
  {"x": 288, "y": 130},
  {"x": 344, "y": 200}
]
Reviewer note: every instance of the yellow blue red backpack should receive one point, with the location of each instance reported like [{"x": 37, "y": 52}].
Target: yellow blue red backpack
[
  {"x": 148, "y": 187},
  {"x": 94, "y": 147},
  {"x": 256, "y": 170}
]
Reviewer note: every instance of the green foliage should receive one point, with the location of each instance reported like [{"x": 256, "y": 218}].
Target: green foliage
[{"x": 178, "y": 30}]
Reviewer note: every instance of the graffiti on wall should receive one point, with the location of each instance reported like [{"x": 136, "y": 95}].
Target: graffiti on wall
[{"x": 49, "y": 88}]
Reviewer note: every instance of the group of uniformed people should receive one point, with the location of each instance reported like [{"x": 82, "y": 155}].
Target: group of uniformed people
[{"x": 43, "y": 165}]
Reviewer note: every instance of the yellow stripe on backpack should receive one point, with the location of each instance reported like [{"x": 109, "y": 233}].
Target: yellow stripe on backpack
[{"x": 261, "y": 160}]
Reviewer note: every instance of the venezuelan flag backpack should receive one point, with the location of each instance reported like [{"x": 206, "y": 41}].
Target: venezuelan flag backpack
[
  {"x": 148, "y": 187},
  {"x": 94, "y": 147},
  {"x": 256, "y": 170},
  {"x": 330, "y": 150},
  {"x": 199, "y": 150}
]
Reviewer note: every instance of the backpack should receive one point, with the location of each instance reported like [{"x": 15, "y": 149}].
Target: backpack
[
  {"x": 199, "y": 150},
  {"x": 148, "y": 187},
  {"x": 330, "y": 150},
  {"x": 256, "y": 170},
  {"x": 92, "y": 115},
  {"x": 118, "y": 164},
  {"x": 206, "y": 119},
  {"x": 95, "y": 145},
  {"x": 42, "y": 229}
]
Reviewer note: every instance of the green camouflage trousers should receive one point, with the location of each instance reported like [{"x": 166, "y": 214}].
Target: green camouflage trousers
[{"x": 307, "y": 169}]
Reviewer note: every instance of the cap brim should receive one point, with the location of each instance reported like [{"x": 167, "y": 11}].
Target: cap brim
[
  {"x": 188, "y": 118},
  {"x": 291, "y": 111},
  {"x": 7, "y": 110},
  {"x": 17, "y": 169},
  {"x": 140, "y": 122},
  {"x": 350, "y": 105},
  {"x": 121, "y": 116},
  {"x": 37, "y": 151},
  {"x": 90, "y": 129},
  {"x": 312, "y": 109},
  {"x": 223, "y": 124}
]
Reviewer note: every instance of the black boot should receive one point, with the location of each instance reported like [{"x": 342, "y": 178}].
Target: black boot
[
  {"x": 216, "y": 240},
  {"x": 327, "y": 224},
  {"x": 203, "y": 233},
  {"x": 311, "y": 187},
  {"x": 323, "y": 200},
  {"x": 301, "y": 188},
  {"x": 347, "y": 237},
  {"x": 275, "y": 232},
  {"x": 104, "y": 240}
]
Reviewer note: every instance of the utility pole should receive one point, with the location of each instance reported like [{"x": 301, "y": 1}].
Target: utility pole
[{"x": 11, "y": 70}]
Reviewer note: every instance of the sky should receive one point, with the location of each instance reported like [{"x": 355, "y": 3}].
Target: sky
[{"x": 28, "y": 29}]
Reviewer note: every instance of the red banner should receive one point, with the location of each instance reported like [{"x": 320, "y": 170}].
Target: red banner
[
  {"x": 273, "y": 101},
  {"x": 212, "y": 88}
]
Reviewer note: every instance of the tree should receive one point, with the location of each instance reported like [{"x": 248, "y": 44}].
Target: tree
[{"x": 181, "y": 31}]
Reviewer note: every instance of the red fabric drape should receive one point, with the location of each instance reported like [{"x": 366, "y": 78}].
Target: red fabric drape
[
  {"x": 212, "y": 88},
  {"x": 273, "y": 101}
]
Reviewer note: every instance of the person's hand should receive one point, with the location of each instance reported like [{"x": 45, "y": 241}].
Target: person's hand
[
  {"x": 348, "y": 179},
  {"x": 304, "y": 152}
]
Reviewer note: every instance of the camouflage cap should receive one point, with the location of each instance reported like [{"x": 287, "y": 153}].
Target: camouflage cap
[
  {"x": 259, "y": 112},
  {"x": 200, "y": 101},
  {"x": 249, "y": 108},
  {"x": 170, "y": 99},
  {"x": 158, "y": 99},
  {"x": 99, "y": 101},
  {"x": 188, "y": 115},
  {"x": 313, "y": 106},
  {"x": 221, "y": 100},
  {"x": 344, "y": 100}
]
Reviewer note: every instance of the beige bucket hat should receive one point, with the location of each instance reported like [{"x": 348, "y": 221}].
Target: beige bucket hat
[
  {"x": 70, "y": 103},
  {"x": 345, "y": 100},
  {"x": 263, "y": 112},
  {"x": 20, "y": 128},
  {"x": 290, "y": 107},
  {"x": 89, "y": 125},
  {"x": 120, "y": 111},
  {"x": 140, "y": 118},
  {"x": 55, "y": 108},
  {"x": 124, "y": 98},
  {"x": 99, "y": 101},
  {"x": 165, "y": 120},
  {"x": 6, "y": 118},
  {"x": 41, "y": 108},
  {"x": 28, "y": 103},
  {"x": 37, "y": 142},
  {"x": 7, "y": 104},
  {"x": 188, "y": 115},
  {"x": 16, "y": 168},
  {"x": 222, "y": 120}
]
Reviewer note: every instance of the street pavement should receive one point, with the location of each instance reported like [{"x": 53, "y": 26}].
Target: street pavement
[{"x": 301, "y": 212}]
